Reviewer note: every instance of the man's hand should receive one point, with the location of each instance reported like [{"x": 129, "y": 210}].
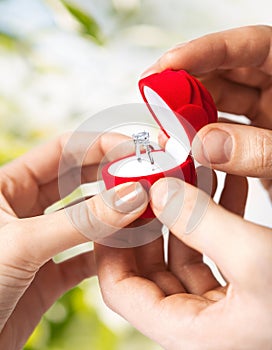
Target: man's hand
[
  {"x": 177, "y": 302},
  {"x": 236, "y": 67}
]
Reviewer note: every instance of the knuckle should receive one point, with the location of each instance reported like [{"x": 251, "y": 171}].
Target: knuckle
[
  {"x": 263, "y": 152},
  {"x": 95, "y": 213},
  {"x": 166, "y": 61},
  {"x": 94, "y": 225},
  {"x": 92, "y": 218},
  {"x": 87, "y": 218},
  {"x": 267, "y": 150},
  {"x": 107, "y": 297},
  {"x": 93, "y": 207},
  {"x": 17, "y": 246}
]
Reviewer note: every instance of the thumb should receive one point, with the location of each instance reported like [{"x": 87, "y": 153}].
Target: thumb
[
  {"x": 38, "y": 239},
  {"x": 233, "y": 244},
  {"x": 236, "y": 149}
]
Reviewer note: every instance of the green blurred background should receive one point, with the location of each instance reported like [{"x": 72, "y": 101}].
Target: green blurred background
[{"x": 61, "y": 61}]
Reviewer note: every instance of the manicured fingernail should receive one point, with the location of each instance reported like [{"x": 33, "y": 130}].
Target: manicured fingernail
[
  {"x": 163, "y": 191},
  {"x": 217, "y": 146},
  {"x": 162, "y": 139},
  {"x": 129, "y": 197}
]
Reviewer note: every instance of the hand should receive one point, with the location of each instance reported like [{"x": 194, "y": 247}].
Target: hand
[
  {"x": 179, "y": 303},
  {"x": 30, "y": 281},
  {"x": 236, "y": 67}
]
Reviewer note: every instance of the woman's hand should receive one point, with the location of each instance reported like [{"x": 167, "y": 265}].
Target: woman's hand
[{"x": 30, "y": 281}]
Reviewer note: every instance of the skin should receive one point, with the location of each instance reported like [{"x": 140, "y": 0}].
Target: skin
[
  {"x": 236, "y": 67},
  {"x": 29, "y": 239},
  {"x": 179, "y": 303}
]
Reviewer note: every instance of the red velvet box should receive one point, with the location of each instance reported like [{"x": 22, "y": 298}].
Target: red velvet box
[{"x": 181, "y": 106}]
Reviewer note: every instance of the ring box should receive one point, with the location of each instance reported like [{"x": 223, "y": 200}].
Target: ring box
[{"x": 181, "y": 106}]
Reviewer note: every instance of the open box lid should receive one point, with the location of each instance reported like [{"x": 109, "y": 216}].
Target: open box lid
[{"x": 178, "y": 101}]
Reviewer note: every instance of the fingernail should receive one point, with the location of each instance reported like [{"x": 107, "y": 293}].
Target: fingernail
[
  {"x": 178, "y": 46},
  {"x": 162, "y": 139},
  {"x": 217, "y": 146},
  {"x": 163, "y": 191},
  {"x": 150, "y": 70},
  {"x": 157, "y": 66},
  {"x": 129, "y": 197}
]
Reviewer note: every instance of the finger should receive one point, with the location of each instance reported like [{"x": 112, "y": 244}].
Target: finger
[
  {"x": 241, "y": 99},
  {"x": 250, "y": 76},
  {"x": 141, "y": 301},
  {"x": 232, "y": 97},
  {"x": 211, "y": 230},
  {"x": 90, "y": 149},
  {"x": 52, "y": 281},
  {"x": 206, "y": 180},
  {"x": 135, "y": 298},
  {"x": 27, "y": 174},
  {"x": 49, "y": 193},
  {"x": 37, "y": 239},
  {"x": 240, "y": 47},
  {"x": 151, "y": 265},
  {"x": 234, "y": 194},
  {"x": 235, "y": 149},
  {"x": 186, "y": 263}
]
